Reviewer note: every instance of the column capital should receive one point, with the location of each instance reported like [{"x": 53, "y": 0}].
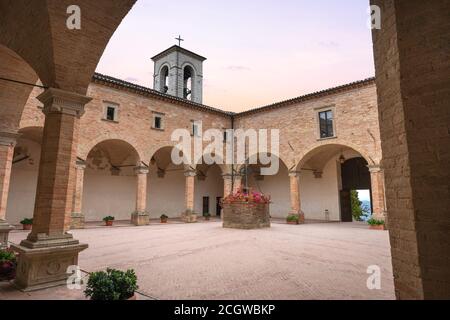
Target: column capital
[
  {"x": 80, "y": 164},
  {"x": 317, "y": 174},
  {"x": 294, "y": 174},
  {"x": 375, "y": 168},
  {"x": 9, "y": 139},
  {"x": 141, "y": 170},
  {"x": 190, "y": 173},
  {"x": 60, "y": 101}
]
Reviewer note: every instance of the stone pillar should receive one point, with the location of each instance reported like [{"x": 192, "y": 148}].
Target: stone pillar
[
  {"x": 77, "y": 221},
  {"x": 237, "y": 183},
  {"x": 412, "y": 77},
  {"x": 227, "y": 184},
  {"x": 377, "y": 181},
  {"x": 189, "y": 215},
  {"x": 47, "y": 252},
  {"x": 7, "y": 143},
  {"x": 141, "y": 217},
  {"x": 295, "y": 195}
]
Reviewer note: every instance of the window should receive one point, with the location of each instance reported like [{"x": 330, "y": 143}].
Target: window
[
  {"x": 111, "y": 112},
  {"x": 326, "y": 124},
  {"x": 158, "y": 121},
  {"x": 225, "y": 136}
]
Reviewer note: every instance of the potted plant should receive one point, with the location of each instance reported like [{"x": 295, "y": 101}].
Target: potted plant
[
  {"x": 8, "y": 265},
  {"x": 375, "y": 224},
  {"x": 207, "y": 216},
  {"x": 293, "y": 219},
  {"x": 109, "y": 221},
  {"x": 27, "y": 223},
  {"x": 164, "y": 218},
  {"x": 112, "y": 285}
]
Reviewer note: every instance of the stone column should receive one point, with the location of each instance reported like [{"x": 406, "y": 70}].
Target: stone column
[
  {"x": 141, "y": 217},
  {"x": 377, "y": 181},
  {"x": 49, "y": 249},
  {"x": 189, "y": 215},
  {"x": 77, "y": 221},
  {"x": 237, "y": 183},
  {"x": 295, "y": 195},
  {"x": 412, "y": 80},
  {"x": 227, "y": 184},
  {"x": 7, "y": 143}
]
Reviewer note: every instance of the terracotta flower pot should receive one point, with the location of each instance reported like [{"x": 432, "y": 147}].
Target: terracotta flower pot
[
  {"x": 379, "y": 227},
  {"x": 163, "y": 220},
  {"x": 109, "y": 223},
  {"x": 27, "y": 226}
]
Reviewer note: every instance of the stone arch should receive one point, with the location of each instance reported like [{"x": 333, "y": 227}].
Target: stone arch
[
  {"x": 14, "y": 95},
  {"x": 84, "y": 149},
  {"x": 224, "y": 169},
  {"x": 239, "y": 167},
  {"x": 317, "y": 147},
  {"x": 166, "y": 183},
  {"x": 62, "y": 58},
  {"x": 118, "y": 151}
]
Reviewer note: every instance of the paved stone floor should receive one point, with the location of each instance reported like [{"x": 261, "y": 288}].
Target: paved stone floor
[{"x": 205, "y": 261}]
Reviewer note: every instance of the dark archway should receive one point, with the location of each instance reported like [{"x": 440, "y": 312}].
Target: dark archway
[{"x": 355, "y": 175}]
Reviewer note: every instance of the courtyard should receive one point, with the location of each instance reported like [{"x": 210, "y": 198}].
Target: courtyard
[{"x": 204, "y": 261}]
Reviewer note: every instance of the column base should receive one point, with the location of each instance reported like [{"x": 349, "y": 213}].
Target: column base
[
  {"x": 140, "y": 218},
  {"x": 77, "y": 221},
  {"x": 43, "y": 263},
  {"x": 5, "y": 229},
  {"x": 189, "y": 216}
]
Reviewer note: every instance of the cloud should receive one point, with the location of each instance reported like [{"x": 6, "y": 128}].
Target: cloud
[{"x": 238, "y": 68}]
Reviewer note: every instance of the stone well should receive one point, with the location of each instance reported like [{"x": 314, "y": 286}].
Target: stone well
[{"x": 245, "y": 215}]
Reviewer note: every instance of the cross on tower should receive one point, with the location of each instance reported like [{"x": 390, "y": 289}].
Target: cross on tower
[{"x": 179, "y": 40}]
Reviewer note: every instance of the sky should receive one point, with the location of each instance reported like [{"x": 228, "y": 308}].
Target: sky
[{"x": 259, "y": 51}]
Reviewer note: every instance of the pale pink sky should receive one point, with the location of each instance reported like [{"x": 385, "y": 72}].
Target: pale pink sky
[{"x": 259, "y": 51}]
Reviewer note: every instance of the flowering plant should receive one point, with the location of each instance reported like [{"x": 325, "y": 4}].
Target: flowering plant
[{"x": 249, "y": 197}]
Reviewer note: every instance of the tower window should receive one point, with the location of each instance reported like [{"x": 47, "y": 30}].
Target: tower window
[
  {"x": 326, "y": 124},
  {"x": 188, "y": 78},
  {"x": 111, "y": 112},
  {"x": 164, "y": 80}
]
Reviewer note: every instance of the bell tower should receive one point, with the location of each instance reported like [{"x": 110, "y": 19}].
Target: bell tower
[{"x": 179, "y": 72}]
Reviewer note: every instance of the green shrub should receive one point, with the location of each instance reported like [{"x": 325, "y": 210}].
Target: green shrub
[
  {"x": 293, "y": 218},
  {"x": 111, "y": 285},
  {"x": 375, "y": 222},
  {"x": 27, "y": 221},
  {"x": 108, "y": 218},
  {"x": 163, "y": 216},
  {"x": 7, "y": 256}
]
